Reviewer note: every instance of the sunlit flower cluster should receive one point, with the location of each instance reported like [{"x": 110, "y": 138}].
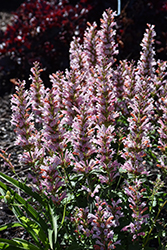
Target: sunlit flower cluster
[{"x": 86, "y": 139}]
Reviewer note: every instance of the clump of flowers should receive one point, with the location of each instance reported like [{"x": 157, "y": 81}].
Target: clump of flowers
[
  {"x": 138, "y": 207},
  {"x": 91, "y": 133},
  {"x": 100, "y": 224}
]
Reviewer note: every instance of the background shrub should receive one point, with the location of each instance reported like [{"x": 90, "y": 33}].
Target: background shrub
[{"x": 42, "y": 30}]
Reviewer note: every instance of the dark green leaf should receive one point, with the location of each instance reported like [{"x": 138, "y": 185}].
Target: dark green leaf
[
  {"x": 34, "y": 230},
  {"x": 18, "y": 244},
  {"x": 22, "y": 187},
  {"x": 10, "y": 225},
  {"x": 27, "y": 207}
]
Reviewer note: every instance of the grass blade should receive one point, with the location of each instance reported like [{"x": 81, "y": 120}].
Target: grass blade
[
  {"x": 22, "y": 187},
  {"x": 34, "y": 230},
  {"x": 18, "y": 244},
  {"x": 27, "y": 207},
  {"x": 10, "y": 225}
]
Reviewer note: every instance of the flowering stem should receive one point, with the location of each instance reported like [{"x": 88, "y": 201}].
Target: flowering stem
[{"x": 119, "y": 180}]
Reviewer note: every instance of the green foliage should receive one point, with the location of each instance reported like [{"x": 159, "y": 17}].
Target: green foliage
[{"x": 42, "y": 227}]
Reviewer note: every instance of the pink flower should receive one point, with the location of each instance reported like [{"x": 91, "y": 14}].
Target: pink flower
[
  {"x": 138, "y": 208},
  {"x": 22, "y": 119},
  {"x": 37, "y": 92},
  {"x": 100, "y": 224},
  {"x": 90, "y": 46},
  {"x": 105, "y": 136},
  {"x": 106, "y": 47},
  {"x": 147, "y": 62}
]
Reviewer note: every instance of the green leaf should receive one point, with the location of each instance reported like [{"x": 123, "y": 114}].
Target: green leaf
[
  {"x": 8, "y": 247},
  {"x": 50, "y": 236},
  {"x": 28, "y": 227},
  {"x": 26, "y": 244},
  {"x": 68, "y": 199},
  {"x": 10, "y": 225},
  {"x": 23, "y": 187},
  {"x": 18, "y": 244},
  {"x": 17, "y": 211},
  {"x": 27, "y": 207},
  {"x": 35, "y": 225},
  {"x": 154, "y": 203},
  {"x": 54, "y": 223},
  {"x": 2, "y": 191},
  {"x": 29, "y": 230},
  {"x": 34, "y": 230},
  {"x": 64, "y": 213}
]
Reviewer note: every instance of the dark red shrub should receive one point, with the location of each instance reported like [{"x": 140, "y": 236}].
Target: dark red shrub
[{"x": 41, "y": 30}]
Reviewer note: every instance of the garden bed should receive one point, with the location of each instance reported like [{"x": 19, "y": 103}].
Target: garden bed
[{"x": 7, "y": 137}]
